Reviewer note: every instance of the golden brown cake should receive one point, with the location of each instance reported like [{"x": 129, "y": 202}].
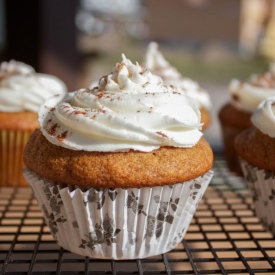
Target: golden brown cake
[
  {"x": 132, "y": 169},
  {"x": 118, "y": 170},
  {"x": 256, "y": 148},
  {"x": 21, "y": 93},
  {"x": 19, "y": 121},
  {"x": 235, "y": 116}
]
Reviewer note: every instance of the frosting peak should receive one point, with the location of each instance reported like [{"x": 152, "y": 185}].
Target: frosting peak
[
  {"x": 264, "y": 117},
  {"x": 21, "y": 89},
  {"x": 128, "y": 77},
  {"x": 155, "y": 62},
  {"x": 14, "y": 68},
  {"x": 246, "y": 96},
  {"x": 130, "y": 109}
]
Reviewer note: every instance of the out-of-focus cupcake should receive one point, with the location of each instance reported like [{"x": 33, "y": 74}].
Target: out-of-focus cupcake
[
  {"x": 118, "y": 170},
  {"x": 256, "y": 148},
  {"x": 22, "y": 91},
  {"x": 235, "y": 116},
  {"x": 158, "y": 65}
]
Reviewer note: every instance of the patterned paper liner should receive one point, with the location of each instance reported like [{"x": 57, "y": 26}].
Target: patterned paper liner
[
  {"x": 121, "y": 223},
  {"x": 12, "y": 144},
  {"x": 261, "y": 185}
]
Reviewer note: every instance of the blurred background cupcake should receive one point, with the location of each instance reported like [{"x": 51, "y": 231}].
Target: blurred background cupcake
[
  {"x": 235, "y": 116},
  {"x": 22, "y": 91},
  {"x": 256, "y": 148},
  {"x": 157, "y": 64}
]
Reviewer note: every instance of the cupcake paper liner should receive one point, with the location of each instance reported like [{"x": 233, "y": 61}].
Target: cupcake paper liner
[
  {"x": 12, "y": 144},
  {"x": 120, "y": 223},
  {"x": 261, "y": 184}
]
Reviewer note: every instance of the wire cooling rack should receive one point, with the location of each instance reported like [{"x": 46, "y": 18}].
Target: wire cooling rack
[{"x": 225, "y": 237}]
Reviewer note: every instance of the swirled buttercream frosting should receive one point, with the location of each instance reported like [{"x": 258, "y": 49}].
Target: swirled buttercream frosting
[
  {"x": 130, "y": 109},
  {"x": 157, "y": 64},
  {"x": 21, "y": 89},
  {"x": 263, "y": 117},
  {"x": 246, "y": 96}
]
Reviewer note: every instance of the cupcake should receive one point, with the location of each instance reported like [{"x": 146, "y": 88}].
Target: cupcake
[
  {"x": 235, "y": 116},
  {"x": 118, "y": 170},
  {"x": 157, "y": 64},
  {"x": 22, "y": 91},
  {"x": 256, "y": 148}
]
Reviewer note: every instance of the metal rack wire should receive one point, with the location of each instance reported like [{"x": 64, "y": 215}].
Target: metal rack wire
[{"x": 225, "y": 237}]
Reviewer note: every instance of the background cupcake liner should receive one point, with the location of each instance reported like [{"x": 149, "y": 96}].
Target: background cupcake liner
[
  {"x": 261, "y": 185},
  {"x": 121, "y": 223},
  {"x": 12, "y": 144}
]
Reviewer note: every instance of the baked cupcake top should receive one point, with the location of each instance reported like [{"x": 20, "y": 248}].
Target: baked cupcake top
[
  {"x": 22, "y": 89},
  {"x": 130, "y": 109},
  {"x": 157, "y": 64},
  {"x": 246, "y": 96}
]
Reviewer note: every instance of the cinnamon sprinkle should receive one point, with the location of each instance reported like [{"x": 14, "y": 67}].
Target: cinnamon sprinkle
[
  {"x": 52, "y": 130},
  {"x": 62, "y": 136},
  {"x": 162, "y": 134},
  {"x": 100, "y": 94},
  {"x": 80, "y": 112}
]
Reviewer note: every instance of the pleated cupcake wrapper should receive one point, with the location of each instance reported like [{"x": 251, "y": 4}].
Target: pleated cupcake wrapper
[
  {"x": 12, "y": 144},
  {"x": 121, "y": 223},
  {"x": 261, "y": 184}
]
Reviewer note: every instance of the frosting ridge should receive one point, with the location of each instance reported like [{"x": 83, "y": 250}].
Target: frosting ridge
[
  {"x": 264, "y": 117},
  {"x": 246, "y": 96},
  {"x": 21, "y": 89},
  {"x": 130, "y": 109}
]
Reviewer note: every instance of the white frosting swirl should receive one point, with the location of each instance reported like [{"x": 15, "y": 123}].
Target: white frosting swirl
[
  {"x": 264, "y": 117},
  {"x": 131, "y": 109},
  {"x": 21, "y": 89},
  {"x": 246, "y": 96},
  {"x": 157, "y": 64}
]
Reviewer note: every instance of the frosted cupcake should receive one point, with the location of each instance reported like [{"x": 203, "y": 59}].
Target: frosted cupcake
[
  {"x": 235, "y": 116},
  {"x": 256, "y": 148},
  {"x": 118, "y": 170},
  {"x": 157, "y": 64},
  {"x": 22, "y": 91}
]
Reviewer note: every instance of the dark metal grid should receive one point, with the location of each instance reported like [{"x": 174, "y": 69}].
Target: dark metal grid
[{"x": 225, "y": 237}]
